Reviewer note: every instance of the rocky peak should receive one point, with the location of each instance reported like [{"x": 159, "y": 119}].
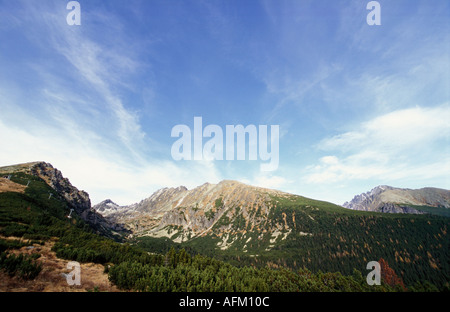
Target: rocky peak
[
  {"x": 363, "y": 200},
  {"x": 106, "y": 207},
  {"x": 79, "y": 200}
]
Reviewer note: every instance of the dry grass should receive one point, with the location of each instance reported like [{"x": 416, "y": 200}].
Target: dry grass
[
  {"x": 52, "y": 279},
  {"x": 10, "y": 186}
]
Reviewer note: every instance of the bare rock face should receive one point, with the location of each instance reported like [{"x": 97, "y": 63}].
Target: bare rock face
[
  {"x": 193, "y": 212},
  {"x": 79, "y": 200},
  {"x": 395, "y": 208},
  {"x": 397, "y": 200}
]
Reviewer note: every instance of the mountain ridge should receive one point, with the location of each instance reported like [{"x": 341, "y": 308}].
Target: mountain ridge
[
  {"x": 390, "y": 199},
  {"x": 196, "y": 210}
]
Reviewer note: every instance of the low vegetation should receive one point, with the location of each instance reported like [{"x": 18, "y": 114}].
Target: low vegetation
[
  {"x": 416, "y": 248},
  {"x": 22, "y": 266}
]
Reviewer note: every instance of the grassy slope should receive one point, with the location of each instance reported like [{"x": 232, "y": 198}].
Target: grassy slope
[{"x": 34, "y": 217}]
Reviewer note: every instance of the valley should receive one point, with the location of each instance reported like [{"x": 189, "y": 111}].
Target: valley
[{"x": 217, "y": 232}]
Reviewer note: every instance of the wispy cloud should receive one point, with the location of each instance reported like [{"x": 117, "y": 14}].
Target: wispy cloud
[
  {"x": 354, "y": 103},
  {"x": 78, "y": 119},
  {"x": 92, "y": 167},
  {"x": 395, "y": 131},
  {"x": 404, "y": 144},
  {"x": 101, "y": 69}
]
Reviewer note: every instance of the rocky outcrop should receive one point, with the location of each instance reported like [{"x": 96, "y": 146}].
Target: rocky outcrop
[
  {"x": 395, "y": 208},
  {"x": 77, "y": 200}
]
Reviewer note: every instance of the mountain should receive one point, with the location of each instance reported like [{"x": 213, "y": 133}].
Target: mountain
[
  {"x": 242, "y": 225},
  {"x": 398, "y": 200},
  {"x": 79, "y": 200},
  {"x": 249, "y": 225},
  {"x": 254, "y": 226},
  {"x": 108, "y": 207},
  {"x": 38, "y": 239},
  {"x": 21, "y": 175},
  {"x": 183, "y": 214},
  {"x": 45, "y": 222}
]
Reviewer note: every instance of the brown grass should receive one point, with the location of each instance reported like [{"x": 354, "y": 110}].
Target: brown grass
[
  {"x": 10, "y": 186},
  {"x": 51, "y": 278}
]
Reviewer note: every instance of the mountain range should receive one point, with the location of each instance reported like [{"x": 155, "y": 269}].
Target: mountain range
[
  {"x": 246, "y": 225},
  {"x": 196, "y": 212}
]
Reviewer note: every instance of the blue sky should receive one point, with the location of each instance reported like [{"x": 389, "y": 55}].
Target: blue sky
[{"x": 357, "y": 105}]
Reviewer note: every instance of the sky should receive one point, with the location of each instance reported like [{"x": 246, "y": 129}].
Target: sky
[{"x": 357, "y": 105}]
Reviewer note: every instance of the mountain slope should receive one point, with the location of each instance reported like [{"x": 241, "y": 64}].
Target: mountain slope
[
  {"x": 35, "y": 224},
  {"x": 247, "y": 225},
  {"x": 37, "y": 238},
  {"x": 398, "y": 200},
  {"x": 242, "y": 225},
  {"x": 56, "y": 188},
  {"x": 209, "y": 208}
]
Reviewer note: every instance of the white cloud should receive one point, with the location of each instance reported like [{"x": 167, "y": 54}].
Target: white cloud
[
  {"x": 329, "y": 160},
  {"x": 83, "y": 67},
  {"x": 77, "y": 119},
  {"x": 341, "y": 170},
  {"x": 395, "y": 131},
  {"x": 101, "y": 172},
  {"x": 102, "y": 69},
  {"x": 408, "y": 144}
]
